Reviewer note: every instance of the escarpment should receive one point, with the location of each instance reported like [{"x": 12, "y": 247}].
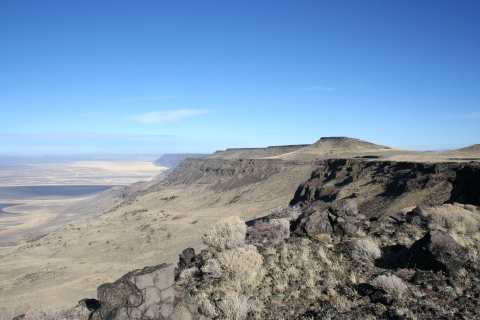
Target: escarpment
[{"x": 383, "y": 187}]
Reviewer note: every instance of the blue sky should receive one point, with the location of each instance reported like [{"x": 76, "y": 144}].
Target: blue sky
[{"x": 197, "y": 76}]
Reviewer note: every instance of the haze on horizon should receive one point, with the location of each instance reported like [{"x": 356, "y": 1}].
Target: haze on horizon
[{"x": 83, "y": 77}]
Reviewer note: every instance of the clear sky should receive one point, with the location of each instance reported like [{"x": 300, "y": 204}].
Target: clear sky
[{"x": 197, "y": 76}]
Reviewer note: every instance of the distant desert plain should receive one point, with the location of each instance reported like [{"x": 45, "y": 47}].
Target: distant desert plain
[
  {"x": 37, "y": 196},
  {"x": 56, "y": 259}
]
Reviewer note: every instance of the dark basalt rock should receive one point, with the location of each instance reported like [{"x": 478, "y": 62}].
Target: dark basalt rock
[
  {"x": 313, "y": 224},
  {"x": 344, "y": 207},
  {"x": 188, "y": 259},
  {"x": 437, "y": 251},
  {"x": 89, "y": 304},
  {"x": 339, "y": 219}
]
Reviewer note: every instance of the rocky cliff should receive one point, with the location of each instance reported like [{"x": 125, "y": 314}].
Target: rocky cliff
[{"x": 384, "y": 187}]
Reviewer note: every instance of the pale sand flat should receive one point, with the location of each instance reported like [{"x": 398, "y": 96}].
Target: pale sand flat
[
  {"x": 82, "y": 173},
  {"x": 120, "y": 166}
]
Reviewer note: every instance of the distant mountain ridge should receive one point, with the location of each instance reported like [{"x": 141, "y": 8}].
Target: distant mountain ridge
[{"x": 171, "y": 160}]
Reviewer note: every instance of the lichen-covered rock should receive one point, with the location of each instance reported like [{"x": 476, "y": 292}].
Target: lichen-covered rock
[
  {"x": 146, "y": 293},
  {"x": 437, "y": 251}
]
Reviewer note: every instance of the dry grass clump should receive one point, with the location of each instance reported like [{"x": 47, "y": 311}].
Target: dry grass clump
[
  {"x": 57, "y": 314},
  {"x": 392, "y": 284},
  {"x": 452, "y": 219},
  {"x": 323, "y": 238},
  {"x": 274, "y": 230},
  {"x": 227, "y": 233},
  {"x": 461, "y": 222},
  {"x": 364, "y": 250},
  {"x": 342, "y": 304}
]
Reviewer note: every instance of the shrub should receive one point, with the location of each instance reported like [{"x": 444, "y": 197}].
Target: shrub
[
  {"x": 274, "y": 230},
  {"x": 240, "y": 264},
  {"x": 189, "y": 273},
  {"x": 212, "y": 270},
  {"x": 209, "y": 309},
  {"x": 287, "y": 212},
  {"x": 392, "y": 284},
  {"x": 234, "y": 307},
  {"x": 364, "y": 250},
  {"x": 227, "y": 233},
  {"x": 57, "y": 314}
]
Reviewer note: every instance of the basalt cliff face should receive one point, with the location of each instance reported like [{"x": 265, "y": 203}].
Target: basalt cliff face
[{"x": 385, "y": 187}]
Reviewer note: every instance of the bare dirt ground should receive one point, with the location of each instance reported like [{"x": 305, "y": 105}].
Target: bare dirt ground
[{"x": 69, "y": 263}]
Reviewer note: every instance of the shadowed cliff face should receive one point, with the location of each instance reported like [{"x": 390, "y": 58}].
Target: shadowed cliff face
[
  {"x": 386, "y": 186},
  {"x": 466, "y": 186}
]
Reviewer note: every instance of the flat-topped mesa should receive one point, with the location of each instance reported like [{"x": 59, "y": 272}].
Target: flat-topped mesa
[
  {"x": 253, "y": 153},
  {"x": 346, "y": 142}
]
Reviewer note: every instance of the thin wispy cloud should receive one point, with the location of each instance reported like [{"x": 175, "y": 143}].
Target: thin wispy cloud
[
  {"x": 158, "y": 117},
  {"x": 150, "y": 98},
  {"x": 317, "y": 88},
  {"x": 472, "y": 115}
]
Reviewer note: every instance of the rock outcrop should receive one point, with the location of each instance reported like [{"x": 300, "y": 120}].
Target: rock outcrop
[
  {"x": 437, "y": 251},
  {"x": 338, "y": 218},
  {"x": 313, "y": 224},
  {"x": 388, "y": 186},
  {"x": 146, "y": 293}
]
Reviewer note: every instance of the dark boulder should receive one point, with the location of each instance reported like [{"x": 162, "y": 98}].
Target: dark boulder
[
  {"x": 437, "y": 251},
  {"x": 344, "y": 207},
  {"x": 339, "y": 218},
  {"x": 188, "y": 259},
  {"x": 89, "y": 304},
  {"x": 345, "y": 227},
  {"x": 313, "y": 224}
]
